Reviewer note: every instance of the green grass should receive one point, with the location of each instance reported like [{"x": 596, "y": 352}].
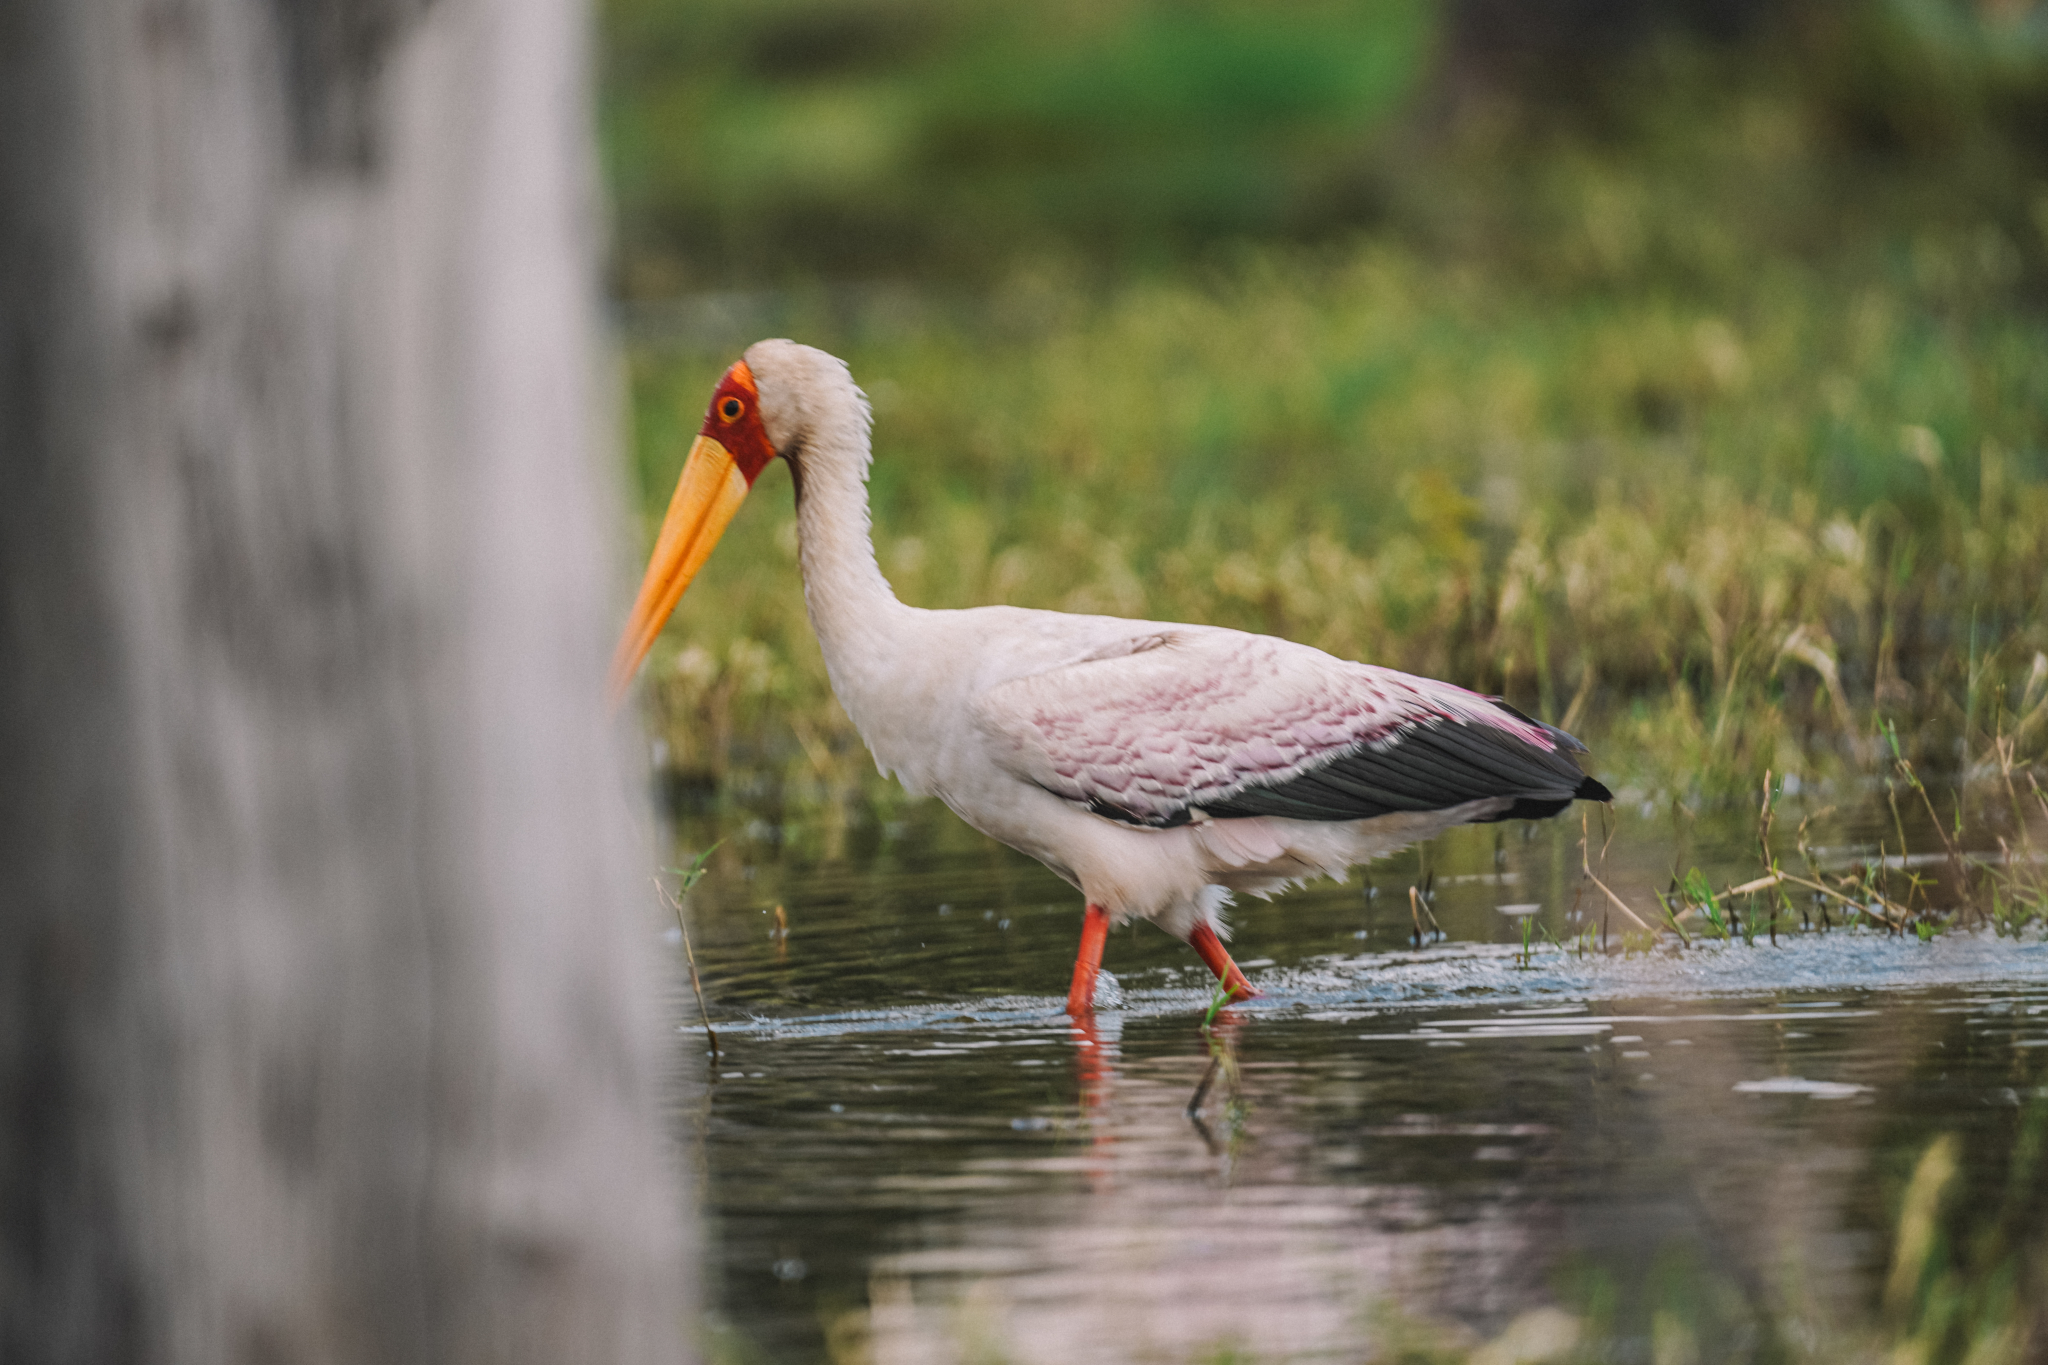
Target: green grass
[
  {"x": 1717, "y": 536},
  {"x": 1712, "y": 424}
]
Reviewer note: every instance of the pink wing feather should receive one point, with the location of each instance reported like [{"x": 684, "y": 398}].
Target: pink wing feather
[{"x": 1190, "y": 717}]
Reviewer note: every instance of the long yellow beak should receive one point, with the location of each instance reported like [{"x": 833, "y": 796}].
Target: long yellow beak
[{"x": 709, "y": 492}]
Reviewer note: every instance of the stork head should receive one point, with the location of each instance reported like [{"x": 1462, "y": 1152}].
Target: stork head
[
  {"x": 731, "y": 450},
  {"x": 771, "y": 403}
]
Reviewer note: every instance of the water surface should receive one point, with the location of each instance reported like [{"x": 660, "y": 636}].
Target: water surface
[{"x": 909, "y": 1154}]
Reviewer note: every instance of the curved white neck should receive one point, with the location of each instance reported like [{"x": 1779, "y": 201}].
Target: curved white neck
[
  {"x": 852, "y": 608},
  {"x": 816, "y": 416}
]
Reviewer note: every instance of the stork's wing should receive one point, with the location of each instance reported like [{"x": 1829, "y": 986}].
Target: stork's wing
[{"x": 1190, "y": 722}]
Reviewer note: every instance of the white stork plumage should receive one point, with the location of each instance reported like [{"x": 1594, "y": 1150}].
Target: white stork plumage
[{"x": 1156, "y": 767}]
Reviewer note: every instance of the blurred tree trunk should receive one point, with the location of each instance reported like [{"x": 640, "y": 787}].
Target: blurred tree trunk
[{"x": 327, "y": 1020}]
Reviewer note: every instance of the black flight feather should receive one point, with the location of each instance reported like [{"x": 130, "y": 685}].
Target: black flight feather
[{"x": 1434, "y": 765}]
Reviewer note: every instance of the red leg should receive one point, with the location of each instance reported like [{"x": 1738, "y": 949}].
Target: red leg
[
  {"x": 1088, "y": 961},
  {"x": 1205, "y": 942}
]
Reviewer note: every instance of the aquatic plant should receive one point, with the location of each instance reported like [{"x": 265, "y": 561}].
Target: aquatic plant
[{"x": 2008, "y": 892}]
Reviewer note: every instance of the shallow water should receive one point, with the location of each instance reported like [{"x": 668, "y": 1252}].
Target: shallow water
[{"x": 909, "y": 1154}]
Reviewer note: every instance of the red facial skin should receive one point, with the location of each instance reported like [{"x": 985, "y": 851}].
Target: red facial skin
[{"x": 738, "y": 428}]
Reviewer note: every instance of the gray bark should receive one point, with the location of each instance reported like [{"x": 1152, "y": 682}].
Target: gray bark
[{"x": 327, "y": 1013}]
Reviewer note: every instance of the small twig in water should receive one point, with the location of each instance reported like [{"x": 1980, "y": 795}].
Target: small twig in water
[
  {"x": 1956, "y": 862},
  {"x": 1194, "y": 1109},
  {"x": 1783, "y": 878},
  {"x": 703, "y": 1012},
  {"x": 1418, "y": 907},
  {"x": 1763, "y": 842},
  {"x": 1586, "y": 865},
  {"x": 675, "y": 902}
]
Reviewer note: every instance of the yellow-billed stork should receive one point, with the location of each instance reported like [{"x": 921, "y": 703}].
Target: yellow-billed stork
[{"x": 1156, "y": 767}]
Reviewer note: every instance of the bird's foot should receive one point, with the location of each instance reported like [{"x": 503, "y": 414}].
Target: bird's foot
[{"x": 1204, "y": 941}]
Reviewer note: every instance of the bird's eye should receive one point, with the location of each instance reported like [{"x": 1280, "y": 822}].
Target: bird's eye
[{"x": 731, "y": 409}]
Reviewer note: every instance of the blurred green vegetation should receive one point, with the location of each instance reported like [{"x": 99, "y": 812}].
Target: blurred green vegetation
[
  {"x": 1702, "y": 406},
  {"x": 780, "y": 139}
]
